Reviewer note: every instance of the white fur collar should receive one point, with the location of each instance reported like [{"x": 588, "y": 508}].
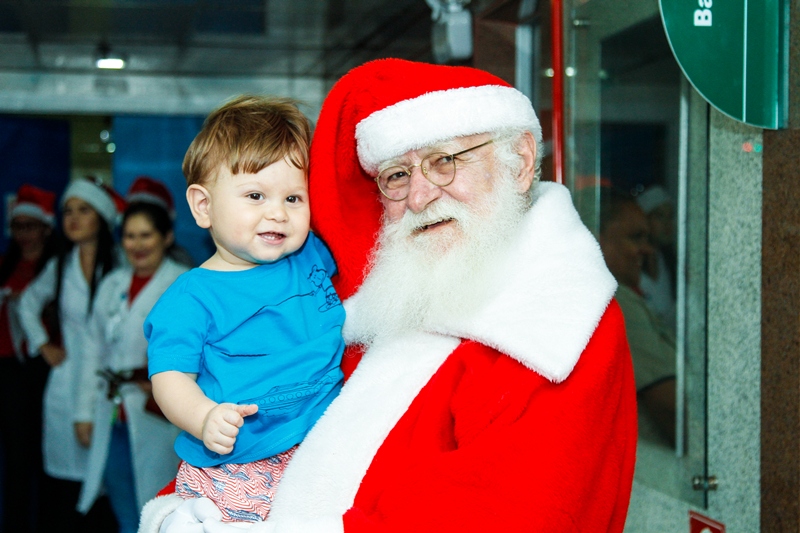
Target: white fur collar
[{"x": 555, "y": 263}]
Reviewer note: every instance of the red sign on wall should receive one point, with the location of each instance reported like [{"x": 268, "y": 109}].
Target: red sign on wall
[{"x": 702, "y": 524}]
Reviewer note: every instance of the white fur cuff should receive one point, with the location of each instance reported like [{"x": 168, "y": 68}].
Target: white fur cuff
[{"x": 156, "y": 510}]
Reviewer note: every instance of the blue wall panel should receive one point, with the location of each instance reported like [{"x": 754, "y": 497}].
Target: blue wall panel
[
  {"x": 35, "y": 151},
  {"x": 155, "y": 146}
]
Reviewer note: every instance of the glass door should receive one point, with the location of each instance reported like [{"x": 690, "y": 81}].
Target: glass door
[{"x": 635, "y": 160}]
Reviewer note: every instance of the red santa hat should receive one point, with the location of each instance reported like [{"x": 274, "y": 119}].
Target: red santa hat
[
  {"x": 35, "y": 203},
  {"x": 103, "y": 199},
  {"x": 149, "y": 190},
  {"x": 381, "y": 110}
]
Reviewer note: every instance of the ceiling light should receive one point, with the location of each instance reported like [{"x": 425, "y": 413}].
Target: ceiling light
[
  {"x": 108, "y": 60},
  {"x": 110, "y": 63}
]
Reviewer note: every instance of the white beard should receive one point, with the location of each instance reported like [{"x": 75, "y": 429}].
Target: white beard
[{"x": 417, "y": 282}]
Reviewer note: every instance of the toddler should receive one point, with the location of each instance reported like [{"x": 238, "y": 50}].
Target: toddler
[{"x": 244, "y": 351}]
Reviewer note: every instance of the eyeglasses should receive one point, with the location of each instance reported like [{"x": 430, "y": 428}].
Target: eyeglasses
[{"x": 439, "y": 168}]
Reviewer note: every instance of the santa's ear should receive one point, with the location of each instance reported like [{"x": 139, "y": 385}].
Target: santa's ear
[
  {"x": 200, "y": 204},
  {"x": 526, "y": 148}
]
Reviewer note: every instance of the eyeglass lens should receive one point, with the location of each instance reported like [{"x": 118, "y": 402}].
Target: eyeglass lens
[{"x": 439, "y": 168}]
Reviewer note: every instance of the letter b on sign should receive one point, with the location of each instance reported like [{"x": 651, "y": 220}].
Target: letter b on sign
[{"x": 702, "y": 17}]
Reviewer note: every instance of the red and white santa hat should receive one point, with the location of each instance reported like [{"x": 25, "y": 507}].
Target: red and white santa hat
[
  {"x": 381, "y": 110},
  {"x": 106, "y": 201},
  {"x": 35, "y": 203},
  {"x": 148, "y": 190}
]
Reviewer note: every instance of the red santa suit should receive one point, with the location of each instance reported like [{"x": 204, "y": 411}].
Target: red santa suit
[{"x": 519, "y": 417}]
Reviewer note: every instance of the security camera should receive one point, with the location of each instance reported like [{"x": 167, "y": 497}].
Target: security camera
[{"x": 451, "y": 35}]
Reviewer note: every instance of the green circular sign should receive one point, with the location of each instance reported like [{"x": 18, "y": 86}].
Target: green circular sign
[{"x": 734, "y": 53}]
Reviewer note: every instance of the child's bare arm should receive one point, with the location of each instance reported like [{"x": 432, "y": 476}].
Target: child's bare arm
[
  {"x": 181, "y": 400},
  {"x": 185, "y": 405}
]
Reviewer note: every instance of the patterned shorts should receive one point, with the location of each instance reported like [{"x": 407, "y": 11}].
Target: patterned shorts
[{"x": 243, "y": 492}]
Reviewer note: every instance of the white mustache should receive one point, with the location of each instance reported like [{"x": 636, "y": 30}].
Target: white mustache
[{"x": 439, "y": 211}]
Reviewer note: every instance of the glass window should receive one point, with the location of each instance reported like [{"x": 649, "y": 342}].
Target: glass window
[{"x": 629, "y": 118}]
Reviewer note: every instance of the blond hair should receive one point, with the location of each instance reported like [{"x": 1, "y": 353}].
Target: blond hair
[{"x": 246, "y": 135}]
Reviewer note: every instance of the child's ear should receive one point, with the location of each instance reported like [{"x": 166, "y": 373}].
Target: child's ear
[{"x": 200, "y": 204}]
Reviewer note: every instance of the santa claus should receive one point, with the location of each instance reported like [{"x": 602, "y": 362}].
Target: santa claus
[{"x": 490, "y": 384}]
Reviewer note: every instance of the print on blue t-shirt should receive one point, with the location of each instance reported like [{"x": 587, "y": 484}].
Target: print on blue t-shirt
[{"x": 270, "y": 335}]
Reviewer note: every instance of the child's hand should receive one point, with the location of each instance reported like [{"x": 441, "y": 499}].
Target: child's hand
[{"x": 222, "y": 425}]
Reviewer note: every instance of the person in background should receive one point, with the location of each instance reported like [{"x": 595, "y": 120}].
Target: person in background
[
  {"x": 150, "y": 190},
  {"x": 625, "y": 244},
  {"x": 131, "y": 453},
  {"x": 490, "y": 384},
  {"x": 658, "y": 272},
  {"x": 90, "y": 211},
  {"x": 34, "y": 240}
]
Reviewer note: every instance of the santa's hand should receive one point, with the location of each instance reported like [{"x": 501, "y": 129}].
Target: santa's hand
[
  {"x": 190, "y": 516},
  {"x": 222, "y": 423}
]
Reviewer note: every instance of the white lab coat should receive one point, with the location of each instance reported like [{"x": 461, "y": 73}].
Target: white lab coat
[
  {"x": 64, "y": 457},
  {"x": 117, "y": 342}
]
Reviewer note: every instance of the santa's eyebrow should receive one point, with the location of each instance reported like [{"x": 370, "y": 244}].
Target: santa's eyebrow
[{"x": 447, "y": 147}]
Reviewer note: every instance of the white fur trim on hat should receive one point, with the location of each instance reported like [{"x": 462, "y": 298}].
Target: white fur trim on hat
[
  {"x": 95, "y": 196},
  {"x": 33, "y": 211},
  {"x": 441, "y": 115}
]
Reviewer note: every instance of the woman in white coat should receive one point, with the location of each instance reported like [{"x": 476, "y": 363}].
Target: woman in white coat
[
  {"x": 34, "y": 240},
  {"x": 70, "y": 279},
  {"x": 131, "y": 453}
]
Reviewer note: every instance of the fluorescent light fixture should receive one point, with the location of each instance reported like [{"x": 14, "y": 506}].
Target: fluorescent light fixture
[
  {"x": 114, "y": 63},
  {"x": 108, "y": 60}
]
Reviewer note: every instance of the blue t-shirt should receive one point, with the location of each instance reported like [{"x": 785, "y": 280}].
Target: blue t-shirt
[{"x": 270, "y": 335}]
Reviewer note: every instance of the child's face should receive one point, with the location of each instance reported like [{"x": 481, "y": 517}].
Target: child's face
[{"x": 258, "y": 218}]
